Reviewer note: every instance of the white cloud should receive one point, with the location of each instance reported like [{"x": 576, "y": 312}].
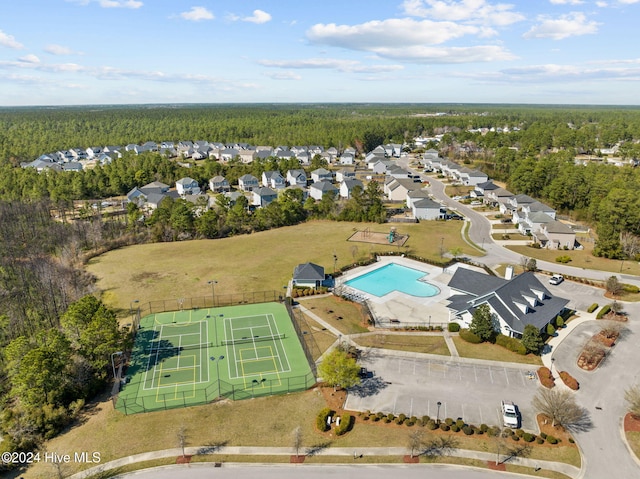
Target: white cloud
[
  {"x": 197, "y": 14},
  {"x": 566, "y": 2},
  {"x": 390, "y": 33},
  {"x": 111, "y": 3},
  {"x": 629, "y": 2},
  {"x": 602, "y": 4},
  {"x": 29, "y": 59},
  {"x": 9, "y": 41},
  {"x": 440, "y": 55},
  {"x": 471, "y": 11},
  {"x": 55, "y": 49},
  {"x": 349, "y": 66},
  {"x": 258, "y": 16},
  {"x": 284, "y": 76},
  {"x": 571, "y": 24}
]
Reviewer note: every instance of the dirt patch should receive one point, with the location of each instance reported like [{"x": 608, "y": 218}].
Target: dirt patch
[
  {"x": 631, "y": 423},
  {"x": 367, "y": 236},
  {"x": 183, "y": 460},
  {"x": 496, "y": 467},
  {"x": 611, "y": 316},
  {"x": 410, "y": 459},
  {"x": 296, "y": 459}
]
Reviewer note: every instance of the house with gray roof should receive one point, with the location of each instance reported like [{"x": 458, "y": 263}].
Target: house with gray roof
[
  {"x": 247, "y": 182},
  {"x": 321, "y": 174},
  {"x": 555, "y": 235},
  {"x": 308, "y": 275},
  {"x": 219, "y": 184},
  {"x": 513, "y": 303},
  {"x": 187, "y": 186},
  {"x": 320, "y": 188},
  {"x": 426, "y": 209},
  {"x": 347, "y": 186},
  {"x": 262, "y": 196},
  {"x": 297, "y": 177},
  {"x": 273, "y": 179}
]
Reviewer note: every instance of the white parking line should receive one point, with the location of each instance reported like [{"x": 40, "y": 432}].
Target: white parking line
[
  {"x": 506, "y": 376},
  {"x": 490, "y": 374}
]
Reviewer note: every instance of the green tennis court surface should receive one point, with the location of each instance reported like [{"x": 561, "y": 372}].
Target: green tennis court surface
[{"x": 184, "y": 358}]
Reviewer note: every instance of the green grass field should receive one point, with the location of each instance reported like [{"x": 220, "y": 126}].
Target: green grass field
[{"x": 190, "y": 357}]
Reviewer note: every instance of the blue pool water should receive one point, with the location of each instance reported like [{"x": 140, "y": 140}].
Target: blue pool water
[{"x": 394, "y": 277}]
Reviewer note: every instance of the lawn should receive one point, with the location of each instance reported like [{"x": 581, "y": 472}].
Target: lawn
[
  {"x": 343, "y": 315},
  {"x": 633, "y": 438},
  {"x": 316, "y": 336},
  {"x": 417, "y": 343},
  {"x": 256, "y": 262},
  {"x": 492, "y": 352}
]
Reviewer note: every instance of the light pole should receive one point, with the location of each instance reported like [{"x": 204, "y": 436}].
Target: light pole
[
  {"x": 135, "y": 301},
  {"x": 438, "y": 415},
  {"x": 113, "y": 365},
  {"x": 217, "y": 361},
  {"x": 442, "y": 247},
  {"x": 213, "y": 283}
]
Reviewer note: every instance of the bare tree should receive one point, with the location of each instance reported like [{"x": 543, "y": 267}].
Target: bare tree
[
  {"x": 416, "y": 441},
  {"x": 632, "y": 396},
  {"x": 630, "y": 244},
  {"x": 613, "y": 286},
  {"x": 616, "y": 307},
  {"x": 182, "y": 438},
  {"x": 561, "y": 407},
  {"x": 440, "y": 446},
  {"x": 297, "y": 439},
  {"x": 528, "y": 264}
]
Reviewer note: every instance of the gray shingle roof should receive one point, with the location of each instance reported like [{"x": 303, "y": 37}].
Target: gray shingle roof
[{"x": 308, "y": 272}]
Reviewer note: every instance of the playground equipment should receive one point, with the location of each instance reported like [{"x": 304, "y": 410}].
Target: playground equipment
[{"x": 392, "y": 234}]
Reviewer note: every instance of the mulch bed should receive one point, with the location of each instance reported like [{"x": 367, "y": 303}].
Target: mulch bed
[
  {"x": 611, "y": 316},
  {"x": 411, "y": 460},
  {"x": 297, "y": 459},
  {"x": 183, "y": 459},
  {"x": 496, "y": 467},
  {"x": 631, "y": 423}
]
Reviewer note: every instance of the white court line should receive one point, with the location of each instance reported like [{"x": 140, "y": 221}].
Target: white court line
[
  {"x": 284, "y": 351},
  {"x": 276, "y": 346}
]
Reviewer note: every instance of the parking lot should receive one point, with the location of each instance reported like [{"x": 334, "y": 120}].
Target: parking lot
[{"x": 414, "y": 386}]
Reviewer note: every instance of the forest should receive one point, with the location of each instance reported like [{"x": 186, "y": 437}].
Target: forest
[{"x": 56, "y": 337}]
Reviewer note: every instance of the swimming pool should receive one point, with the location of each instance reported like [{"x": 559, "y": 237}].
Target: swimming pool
[{"x": 394, "y": 277}]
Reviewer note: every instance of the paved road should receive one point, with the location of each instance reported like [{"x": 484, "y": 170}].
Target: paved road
[{"x": 414, "y": 471}]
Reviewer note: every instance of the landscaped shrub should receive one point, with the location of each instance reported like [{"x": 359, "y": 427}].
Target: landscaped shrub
[
  {"x": 559, "y": 322},
  {"x": 571, "y": 440},
  {"x": 493, "y": 431},
  {"x": 469, "y": 337},
  {"x": 592, "y": 308},
  {"x": 380, "y": 415},
  {"x": 455, "y": 428},
  {"x": 399, "y": 421},
  {"x": 460, "y": 423},
  {"x": 410, "y": 422},
  {"x": 374, "y": 418},
  {"x": 425, "y": 419},
  {"x": 515, "y": 437},
  {"x": 605, "y": 309},
  {"x": 402, "y": 417},
  {"x": 321, "y": 419},
  {"x": 448, "y": 421},
  {"x": 543, "y": 435},
  {"x": 539, "y": 440},
  {"x": 630, "y": 288},
  {"x": 546, "y": 378},
  {"x": 520, "y": 432},
  {"x": 390, "y": 417},
  {"x": 550, "y": 329},
  {"x": 484, "y": 427},
  {"x": 346, "y": 423},
  {"x": 528, "y": 437},
  {"x": 454, "y": 327},
  {"x": 431, "y": 425},
  {"x": 468, "y": 430},
  {"x": 569, "y": 380},
  {"x": 444, "y": 426},
  {"x": 512, "y": 344},
  {"x": 386, "y": 420},
  {"x": 552, "y": 440},
  {"x": 563, "y": 259}
]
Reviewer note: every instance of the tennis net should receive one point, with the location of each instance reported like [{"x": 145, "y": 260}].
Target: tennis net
[
  {"x": 177, "y": 349},
  {"x": 251, "y": 339}
]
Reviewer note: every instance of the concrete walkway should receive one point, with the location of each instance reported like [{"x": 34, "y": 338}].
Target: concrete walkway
[{"x": 567, "y": 469}]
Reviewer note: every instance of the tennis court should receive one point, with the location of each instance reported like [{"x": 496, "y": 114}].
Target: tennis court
[{"x": 189, "y": 357}]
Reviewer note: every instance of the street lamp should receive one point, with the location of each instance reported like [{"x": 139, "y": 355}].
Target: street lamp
[
  {"x": 113, "y": 365},
  {"x": 213, "y": 283},
  {"x": 438, "y": 415}
]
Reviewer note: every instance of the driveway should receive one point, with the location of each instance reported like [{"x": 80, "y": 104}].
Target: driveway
[{"x": 414, "y": 384}]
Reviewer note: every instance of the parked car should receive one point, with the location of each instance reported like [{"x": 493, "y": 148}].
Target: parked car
[
  {"x": 476, "y": 203},
  {"x": 505, "y": 220},
  {"x": 510, "y": 416},
  {"x": 556, "y": 279}
]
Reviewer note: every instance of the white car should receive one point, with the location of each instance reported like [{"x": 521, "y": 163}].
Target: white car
[
  {"x": 556, "y": 279},
  {"x": 509, "y": 414}
]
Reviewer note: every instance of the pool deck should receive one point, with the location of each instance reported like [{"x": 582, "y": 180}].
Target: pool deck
[{"x": 400, "y": 308}]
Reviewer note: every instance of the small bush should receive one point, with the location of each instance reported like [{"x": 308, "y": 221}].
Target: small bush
[
  {"x": 552, "y": 440},
  {"x": 375, "y": 418},
  {"x": 366, "y": 417},
  {"x": 321, "y": 419},
  {"x": 550, "y": 329},
  {"x": 559, "y": 322},
  {"x": 455, "y": 428},
  {"x": 539, "y": 440},
  {"x": 569, "y": 380},
  {"x": 484, "y": 427},
  {"x": 346, "y": 423},
  {"x": 453, "y": 327},
  {"x": 571, "y": 440},
  {"x": 592, "y": 308},
  {"x": 515, "y": 437},
  {"x": 410, "y": 422},
  {"x": 380, "y": 415},
  {"x": 425, "y": 419},
  {"x": 605, "y": 309},
  {"x": 448, "y": 421},
  {"x": 431, "y": 425},
  {"x": 546, "y": 378},
  {"x": 630, "y": 288},
  {"x": 512, "y": 344},
  {"x": 563, "y": 259},
  {"x": 390, "y": 417},
  {"x": 543, "y": 435},
  {"x": 469, "y": 337},
  {"x": 520, "y": 432},
  {"x": 460, "y": 423},
  {"x": 402, "y": 417},
  {"x": 468, "y": 430},
  {"x": 528, "y": 437},
  {"x": 386, "y": 420},
  {"x": 444, "y": 426},
  {"x": 399, "y": 421},
  {"x": 493, "y": 431}
]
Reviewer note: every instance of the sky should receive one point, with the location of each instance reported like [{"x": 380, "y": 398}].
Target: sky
[{"x": 79, "y": 52}]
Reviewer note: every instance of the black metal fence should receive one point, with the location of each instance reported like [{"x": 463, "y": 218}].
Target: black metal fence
[{"x": 308, "y": 342}]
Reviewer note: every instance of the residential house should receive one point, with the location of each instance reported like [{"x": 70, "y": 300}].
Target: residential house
[
  {"x": 321, "y": 174},
  {"x": 396, "y": 189},
  {"x": 347, "y": 159},
  {"x": 498, "y": 196},
  {"x": 531, "y": 222},
  {"x": 262, "y": 196},
  {"x": 273, "y": 179},
  {"x": 297, "y": 177},
  {"x": 93, "y": 151},
  {"x": 247, "y": 182},
  {"x": 347, "y": 186},
  {"x": 228, "y": 154},
  {"x": 345, "y": 174},
  {"x": 72, "y": 166},
  {"x": 308, "y": 275},
  {"x": 320, "y": 188},
  {"x": 513, "y": 303},
  {"x": 425, "y": 209},
  {"x": 471, "y": 177},
  {"x": 247, "y": 155},
  {"x": 415, "y": 195},
  {"x": 555, "y": 235},
  {"x": 219, "y": 184},
  {"x": 187, "y": 186}
]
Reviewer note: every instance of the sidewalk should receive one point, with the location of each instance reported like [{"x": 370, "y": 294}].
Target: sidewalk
[
  {"x": 563, "y": 468},
  {"x": 561, "y": 334}
]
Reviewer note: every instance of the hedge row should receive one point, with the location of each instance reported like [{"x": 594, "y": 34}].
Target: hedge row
[
  {"x": 630, "y": 288},
  {"x": 300, "y": 292},
  {"x": 605, "y": 309},
  {"x": 592, "y": 308},
  {"x": 469, "y": 337},
  {"x": 321, "y": 419},
  {"x": 512, "y": 344},
  {"x": 346, "y": 423}
]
